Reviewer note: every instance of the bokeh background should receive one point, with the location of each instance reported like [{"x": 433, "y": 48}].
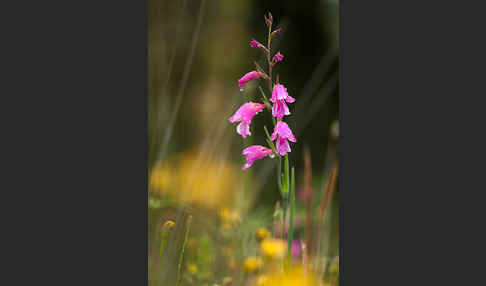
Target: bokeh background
[{"x": 197, "y": 50}]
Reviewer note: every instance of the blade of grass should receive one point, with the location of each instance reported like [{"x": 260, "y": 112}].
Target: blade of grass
[
  {"x": 186, "y": 236},
  {"x": 329, "y": 192},
  {"x": 291, "y": 215},
  {"x": 308, "y": 198},
  {"x": 286, "y": 175}
]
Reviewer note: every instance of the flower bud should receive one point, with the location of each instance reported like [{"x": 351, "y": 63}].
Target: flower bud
[
  {"x": 276, "y": 32},
  {"x": 254, "y": 44},
  {"x": 168, "y": 225},
  {"x": 269, "y": 23}
]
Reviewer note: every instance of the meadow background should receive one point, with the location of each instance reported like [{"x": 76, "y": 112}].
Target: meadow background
[{"x": 197, "y": 51}]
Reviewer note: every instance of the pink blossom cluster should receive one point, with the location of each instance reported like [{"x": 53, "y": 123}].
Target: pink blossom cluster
[{"x": 280, "y": 97}]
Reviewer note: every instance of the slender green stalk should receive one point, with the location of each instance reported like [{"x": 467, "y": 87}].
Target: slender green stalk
[
  {"x": 270, "y": 143},
  {"x": 269, "y": 40},
  {"x": 165, "y": 232},
  {"x": 267, "y": 103},
  {"x": 184, "y": 243},
  {"x": 279, "y": 176},
  {"x": 265, "y": 99},
  {"x": 291, "y": 215},
  {"x": 284, "y": 215},
  {"x": 286, "y": 175}
]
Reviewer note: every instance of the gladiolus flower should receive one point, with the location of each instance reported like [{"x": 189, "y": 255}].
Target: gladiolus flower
[
  {"x": 244, "y": 114},
  {"x": 278, "y": 57},
  {"x": 284, "y": 133},
  {"x": 279, "y": 97},
  {"x": 254, "y": 43},
  {"x": 254, "y": 153},
  {"x": 247, "y": 77}
]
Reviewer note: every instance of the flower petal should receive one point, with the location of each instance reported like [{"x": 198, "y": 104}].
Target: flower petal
[
  {"x": 243, "y": 129},
  {"x": 282, "y": 146}
]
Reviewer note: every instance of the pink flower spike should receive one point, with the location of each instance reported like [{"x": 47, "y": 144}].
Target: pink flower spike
[
  {"x": 254, "y": 43},
  {"x": 278, "y": 57},
  {"x": 284, "y": 133},
  {"x": 244, "y": 115},
  {"x": 254, "y": 153},
  {"x": 247, "y": 77}
]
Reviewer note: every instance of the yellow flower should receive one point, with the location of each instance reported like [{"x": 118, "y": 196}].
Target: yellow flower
[
  {"x": 229, "y": 218},
  {"x": 192, "y": 268},
  {"x": 252, "y": 264},
  {"x": 160, "y": 177},
  {"x": 262, "y": 280},
  {"x": 292, "y": 277},
  {"x": 197, "y": 178},
  {"x": 273, "y": 248},
  {"x": 168, "y": 225},
  {"x": 262, "y": 234}
]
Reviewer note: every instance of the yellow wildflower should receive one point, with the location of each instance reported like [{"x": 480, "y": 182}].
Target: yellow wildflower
[
  {"x": 292, "y": 277},
  {"x": 262, "y": 234},
  {"x": 252, "y": 264},
  {"x": 273, "y": 248},
  {"x": 168, "y": 225},
  {"x": 262, "y": 280},
  {"x": 192, "y": 268},
  {"x": 196, "y": 178},
  {"x": 160, "y": 177},
  {"x": 229, "y": 218}
]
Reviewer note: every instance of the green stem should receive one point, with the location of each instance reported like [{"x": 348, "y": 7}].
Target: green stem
[
  {"x": 284, "y": 216},
  {"x": 270, "y": 143},
  {"x": 269, "y": 58},
  {"x": 164, "y": 236},
  {"x": 186, "y": 236},
  {"x": 279, "y": 176},
  {"x": 286, "y": 175},
  {"x": 291, "y": 218}
]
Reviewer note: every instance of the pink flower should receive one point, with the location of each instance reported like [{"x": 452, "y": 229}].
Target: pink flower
[
  {"x": 267, "y": 20},
  {"x": 254, "y": 43},
  {"x": 278, "y": 57},
  {"x": 254, "y": 153},
  {"x": 284, "y": 133},
  {"x": 296, "y": 249},
  {"x": 279, "y": 97},
  {"x": 247, "y": 77},
  {"x": 244, "y": 114}
]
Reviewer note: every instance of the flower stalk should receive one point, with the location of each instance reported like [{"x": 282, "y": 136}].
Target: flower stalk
[{"x": 282, "y": 133}]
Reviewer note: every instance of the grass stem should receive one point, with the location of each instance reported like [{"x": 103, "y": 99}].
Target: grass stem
[{"x": 291, "y": 215}]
